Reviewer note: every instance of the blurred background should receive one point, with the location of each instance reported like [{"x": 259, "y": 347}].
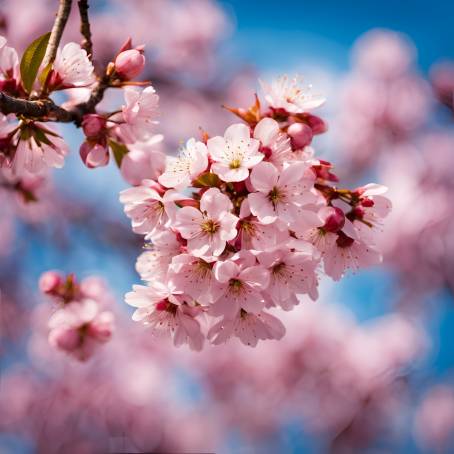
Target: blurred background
[{"x": 369, "y": 367}]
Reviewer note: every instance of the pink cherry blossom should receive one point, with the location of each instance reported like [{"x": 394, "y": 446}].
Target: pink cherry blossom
[
  {"x": 145, "y": 160},
  {"x": 9, "y": 61},
  {"x": 347, "y": 253},
  {"x": 154, "y": 262},
  {"x": 288, "y": 94},
  {"x": 78, "y": 328},
  {"x": 161, "y": 309},
  {"x": 208, "y": 229},
  {"x": 234, "y": 154},
  {"x": 139, "y": 114},
  {"x": 71, "y": 68},
  {"x": 253, "y": 234},
  {"x": 148, "y": 210},
  {"x": 278, "y": 196},
  {"x": 369, "y": 214},
  {"x": 182, "y": 170},
  {"x": 241, "y": 288},
  {"x": 248, "y": 327},
  {"x": 291, "y": 274},
  {"x": 274, "y": 144},
  {"x": 195, "y": 277},
  {"x": 34, "y": 154}
]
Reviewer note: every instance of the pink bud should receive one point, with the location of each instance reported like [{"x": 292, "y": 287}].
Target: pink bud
[
  {"x": 333, "y": 217},
  {"x": 94, "y": 155},
  {"x": 93, "y": 287},
  {"x": 317, "y": 125},
  {"x": 102, "y": 329},
  {"x": 93, "y": 125},
  {"x": 129, "y": 64},
  {"x": 300, "y": 135},
  {"x": 49, "y": 281},
  {"x": 64, "y": 338}
]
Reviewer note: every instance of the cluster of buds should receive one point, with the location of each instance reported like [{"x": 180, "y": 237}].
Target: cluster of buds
[
  {"x": 79, "y": 325},
  {"x": 238, "y": 224},
  {"x": 133, "y": 124}
]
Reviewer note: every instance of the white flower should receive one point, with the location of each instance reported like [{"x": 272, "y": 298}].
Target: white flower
[
  {"x": 139, "y": 114},
  {"x": 73, "y": 67},
  {"x": 288, "y": 94},
  {"x": 180, "y": 171},
  {"x": 234, "y": 154}
]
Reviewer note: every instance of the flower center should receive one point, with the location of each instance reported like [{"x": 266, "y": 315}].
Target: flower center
[
  {"x": 278, "y": 268},
  {"x": 209, "y": 226},
  {"x": 235, "y": 285},
  {"x": 235, "y": 163},
  {"x": 274, "y": 195}
]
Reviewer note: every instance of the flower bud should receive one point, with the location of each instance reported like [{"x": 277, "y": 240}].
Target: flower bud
[
  {"x": 300, "y": 135},
  {"x": 49, "y": 282},
  {"x": 93, "y": 125},
  {"x": 64, "y": 338},
  {"x": 129, "y": 64},
  {"x": 317, "y": 125},
  {"x": 333, "y": 217},
  {"x": 94, "y": 155}
]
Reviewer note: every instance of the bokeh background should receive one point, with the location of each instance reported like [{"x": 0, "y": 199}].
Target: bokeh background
[{"x": 368, "y": 368}]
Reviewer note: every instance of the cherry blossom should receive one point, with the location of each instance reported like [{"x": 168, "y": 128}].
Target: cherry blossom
[
  {"x": 154, "y": 262},
  {"x": 37, "y": 147},
  {"x": 9, "y": 63},
  {"x": 274, "y": 144},
  {"x": 234, "y": 154},
  {"x": 208, "y": 229},
  {"x": 241, "y": 288},
  {"x": 287, "y": 94},
  {"x": 191, "y": 162},
  {"x": 148, "y": 210},
  {"x": 79, "y": 327},
  {"x": 291, "y": 274},
  {"x": 278, "y": 196},
  {"x": 71, "y": 68},
  {"x": 144, "y": 160},
  {"x": 161, "y": 309},
  {"x": 248, "y": 327},
  {"x": 139, "y": 114}
]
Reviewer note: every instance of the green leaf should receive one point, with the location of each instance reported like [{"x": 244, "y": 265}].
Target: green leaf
[
  {"x": 31, "y": 61},
  {"x": 207, "y": 179},
  {"x": 119, "y": 150}
]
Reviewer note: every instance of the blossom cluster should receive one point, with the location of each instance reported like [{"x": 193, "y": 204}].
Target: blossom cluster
[
  {"x": 79, "y": 324},
  {"x": 28, "y": 145},
  {"x": 241, "y": 223}
]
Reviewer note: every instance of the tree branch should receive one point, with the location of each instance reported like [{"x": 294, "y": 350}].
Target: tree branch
[
  {"x": 57, "y": 31},
  {"x": 85, "y": 27},
  {"x": 39, "y": 109}
]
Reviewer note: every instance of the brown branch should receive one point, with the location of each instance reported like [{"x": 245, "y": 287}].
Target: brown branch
[
  {"x": 40, "y": 109},
  {"x": 47, "y": 110},
  {"x": 85, "y": 27},
  {"x": 57, "y": 31}
]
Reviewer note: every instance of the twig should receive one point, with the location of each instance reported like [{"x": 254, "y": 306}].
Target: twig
[
  {"x": 57, "y": 31},
  {"x": 85, "y": 28}
]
